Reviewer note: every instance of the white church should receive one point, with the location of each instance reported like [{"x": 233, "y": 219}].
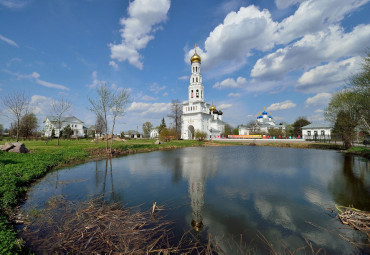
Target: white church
[{"x": 197, "y": 115}]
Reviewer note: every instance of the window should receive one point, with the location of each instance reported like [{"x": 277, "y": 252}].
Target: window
[
  {"x": 197, "y": 79},
  {"x": 192, "y": 94},
  {"x": 309, "y": 133},
  {"x": 197, "y": 94},
  {"x": 322, "y": 132},
  {"x": 315, "y": 133}
]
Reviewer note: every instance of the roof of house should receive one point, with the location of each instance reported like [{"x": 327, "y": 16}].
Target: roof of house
[
  {"x": 70, "y": 119},
  {"x": 317, "y": 125}
]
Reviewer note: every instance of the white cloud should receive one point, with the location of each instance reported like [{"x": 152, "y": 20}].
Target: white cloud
[
  {"x": 313, "y": 49},
  {"x": 9, "y": 41},
  {"x": 40, "y": 105},
  {"x": 185, "y": 77},
  {"x": 318, "y": 99},
  {"x": 149, "y": 108},
  {"x": 330, "y": 75},
  {"x": 148, "y": 98},
  {"x": 228, "y": 46},
  {"x": 138, "y": 29},
  {"x": 224, "y": 106},
  {"x": 35, "y": 76},
  {"x": 113, "y": 64},
  {"x": 156, "y": 88},
  {"x": 14, "y": 4},
  {"x": 230, "y": 42},
  {"x": 95, "y": 82},
  {"x": 234, "y": 95},
  {"x": 231, "y": 83},
  {"x": 282, "y": 4},
  {"x": 287, "y": 104}
]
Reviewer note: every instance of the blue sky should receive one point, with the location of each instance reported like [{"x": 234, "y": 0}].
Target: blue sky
[{"x": 289, "y": 56}]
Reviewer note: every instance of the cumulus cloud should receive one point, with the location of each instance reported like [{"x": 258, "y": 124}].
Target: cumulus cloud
[
  {"x": 230, "y": 42},
  {"x": 326, "y": 76},
  {"x": 231, "y": 83},
  {"x": 287, "y": 104},
  {"x": 229, "y": 45},
  {"x": 35, "y": 77},
  {"x": 138, "y": 29},
  {"x": 234, "y": 95},
  {"x": 148, "y": 98},
  {"x": 312, "y": 50},
  {"x": 9, "y": 41},
  {"x": 318, "y": 99},
  {"x": 148, "y": 108}
]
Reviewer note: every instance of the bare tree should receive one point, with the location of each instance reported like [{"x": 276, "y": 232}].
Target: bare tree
[
  {"x": 101, "y": 107},
  {"x": 253, "y": 127},
  {"x": 175, "y": 115},
  {"x": 99, "y": 124},
  {"x": 120, "y": 99},
  {"x": 59, "y": 108},
  {"x": 16, "y": 105},
  {"x": 111, "y": 103}
]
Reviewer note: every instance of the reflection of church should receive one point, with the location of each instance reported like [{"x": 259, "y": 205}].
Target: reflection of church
[{"x": 197, "y": 114}]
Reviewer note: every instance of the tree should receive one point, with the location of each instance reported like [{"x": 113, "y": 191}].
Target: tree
[
  {"x": 52, "y": 133},
  {"x": 345, "y": 110},
  {"x": 175, "y": 115},
  {"x": 67, "y": 132},
  {"x": 162, "y": 125},
  {"x": 99, "y": 124},
  {"x": 109, "y": 103},
  {"x": 28, "y": 125},
  {"x": 253, "y": 127},
  {"x": 200, "y": 135},
  {"x": 236, "y": 131},
  {"x": 1, "y": 129},
  {"x": 16, "y": 105},
  {"x": 298, "y": 124},
  {"x": 228, "y": 130},
  {"x": 59, "y": 108},
  {"x": 147, "y": 126}
]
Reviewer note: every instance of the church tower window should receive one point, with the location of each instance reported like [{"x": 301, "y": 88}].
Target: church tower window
[
  {"x": 197, "y": 93},
  {"x": 192, "y": 94}
]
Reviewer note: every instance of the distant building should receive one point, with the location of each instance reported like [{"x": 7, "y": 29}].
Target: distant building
[
  {"x": 133, "y": 134},
  {"x": 263, "y": 124},
  {"x": 75, "y": 124},
  {"x": 154, "y": 133},
  {"x": 317, "y": 131}
]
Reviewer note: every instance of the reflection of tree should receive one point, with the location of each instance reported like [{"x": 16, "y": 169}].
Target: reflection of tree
[
  {"x": 114, "y": 197},
  {"x": 350, "y": 189}
]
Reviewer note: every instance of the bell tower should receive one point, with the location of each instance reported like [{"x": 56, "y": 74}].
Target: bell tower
[{"x": 196, "y": 88}]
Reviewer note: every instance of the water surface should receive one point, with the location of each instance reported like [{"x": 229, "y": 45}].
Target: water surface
[{"x": 229, "y": 191}]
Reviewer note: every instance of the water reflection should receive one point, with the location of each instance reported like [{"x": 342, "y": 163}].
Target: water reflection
[{"x": 350, "y": 185}]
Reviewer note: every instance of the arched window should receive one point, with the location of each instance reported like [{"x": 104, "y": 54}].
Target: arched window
[
  {"x": 197, "y": 79},
  {"x": 192, "y": 94},
  {"x": 193, "y": 79},
  {"x": 197, "y": 94}
]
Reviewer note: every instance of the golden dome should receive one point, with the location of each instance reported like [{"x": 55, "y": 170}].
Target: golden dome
[
  {"x": 212, "y": 108},
  {"x": 195, "y": 57}
]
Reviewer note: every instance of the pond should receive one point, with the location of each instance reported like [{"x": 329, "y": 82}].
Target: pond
[{"x": 286, "y": 195}]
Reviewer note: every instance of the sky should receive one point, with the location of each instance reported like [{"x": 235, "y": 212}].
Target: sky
[{"x": 289, "y": 56}]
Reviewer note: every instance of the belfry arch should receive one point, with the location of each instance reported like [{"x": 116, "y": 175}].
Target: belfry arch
[{"x": 191, "y": 132}]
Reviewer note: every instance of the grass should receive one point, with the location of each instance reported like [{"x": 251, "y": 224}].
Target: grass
[{"x": 18, "y": 171}]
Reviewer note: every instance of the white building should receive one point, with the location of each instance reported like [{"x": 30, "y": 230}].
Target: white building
[
  {"x": 154, "y": 133},
  {"x": 75, "y": 124},
  {"x": 317, "y": 131},
  {"x": 197, "y": 114},
  {"x": 263, "y": 124}
]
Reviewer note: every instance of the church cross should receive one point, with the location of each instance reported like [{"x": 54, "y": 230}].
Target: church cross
[{"x": 195, "y": 47}]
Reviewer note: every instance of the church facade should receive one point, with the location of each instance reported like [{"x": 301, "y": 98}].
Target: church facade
[{"x": 197, "y": 115}]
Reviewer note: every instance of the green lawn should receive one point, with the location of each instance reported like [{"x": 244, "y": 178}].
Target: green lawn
[{"x": 18, "y": 171}]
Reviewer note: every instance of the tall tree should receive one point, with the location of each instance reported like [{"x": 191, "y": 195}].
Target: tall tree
[
  {"x": 1, "y": 129},
  {"x": 28, "y": 125},
  {"x": 147, "y": 126},
  {"x": 162, "y": 125},
  {"x": 111, "y": 103},
  {"x": 59, "y": 108},
  {"x": 253, "y": 127},
  {"x": 120, "y": 98},
  {"x": 228, "y": 130},
  {"x": 298, "y": 124},
  {"x": 175, "y": 115},
  {"x": 101, "y": 106},
  {"x": 16, "y": 106},
  {"x": 99, "y": 124}
]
